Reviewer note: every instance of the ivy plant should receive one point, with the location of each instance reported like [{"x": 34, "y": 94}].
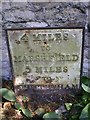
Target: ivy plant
[{"x": 10, "y": 96}]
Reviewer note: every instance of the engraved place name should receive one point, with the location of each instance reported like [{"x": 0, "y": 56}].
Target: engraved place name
[
  {"x": 46, "y": 87},
  {"x": 45, "y": 57}
]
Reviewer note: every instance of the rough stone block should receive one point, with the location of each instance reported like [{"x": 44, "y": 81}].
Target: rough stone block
[
  {"x": 52, "y": 14},
  {"x": 18, "y": 15}
]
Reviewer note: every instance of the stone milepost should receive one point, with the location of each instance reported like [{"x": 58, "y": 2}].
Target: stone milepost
[{"x": 46, "y": 56}]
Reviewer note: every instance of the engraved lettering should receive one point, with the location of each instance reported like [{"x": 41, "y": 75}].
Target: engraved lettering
[
  {"x": 38, "y": 69},
  {"x": 17, "y": 59},
  {"x": 58, "y": 69},
  {"x": 24, "y": 38},
  {"x": 50, "y": 38},
  {"x": 65, "y": 69},
  {"x": 51, "y": 70},
  {"x": 65, "y": 36},
  {"x": 36, "y": 36},
  {"x": 75, "y": 57},
  {"x": 58, "y": 37}
]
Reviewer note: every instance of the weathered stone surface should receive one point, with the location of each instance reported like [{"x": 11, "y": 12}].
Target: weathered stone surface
[
  {"x": 5, "y": 56},
  {"x": 18, "y": 15},
  {"x": 6, "y": 74},
  {"x": 61, "y": 15},
  {"x": 89, "y": 27},
  {"x": 6, "y": 6},
  {"x": 32, "y": 14}
]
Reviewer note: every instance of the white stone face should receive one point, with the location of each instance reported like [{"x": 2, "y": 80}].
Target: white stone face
[{"x": 46, "y": 56}]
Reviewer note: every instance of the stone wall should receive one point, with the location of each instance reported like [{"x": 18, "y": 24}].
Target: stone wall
[{"x": 45, "y": 14}]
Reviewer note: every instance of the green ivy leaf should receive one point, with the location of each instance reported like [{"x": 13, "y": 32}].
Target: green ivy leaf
[
  {"x": 68, "y": 106},
  {"x": 85, "y": 80},
  {"x": 51, "y": 116},
  {"x": 86, "y": 88},
  {"x": 40, "y": 111},
  {"x": 26, "y": 112},
  {"x": 85, "y": 98},
  {"x": 74, "y": 117},
  {"x": 85, "y": 114},
  {"x": 24, "y": 98},
  {"x": 17, "y": 106},
  {"x": 78, "y": 105},
  {"x": 8, "y": 94}
]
